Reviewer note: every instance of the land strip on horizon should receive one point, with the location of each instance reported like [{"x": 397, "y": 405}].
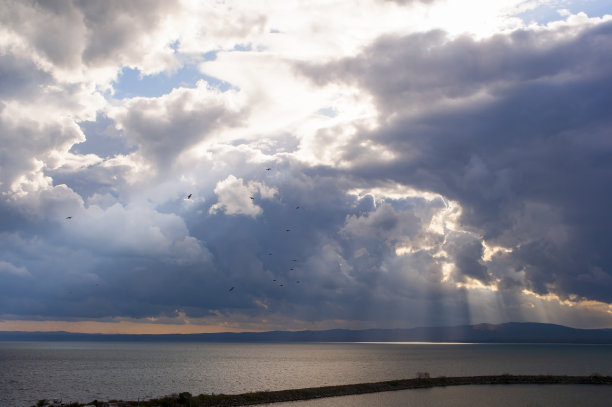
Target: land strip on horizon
[
  {"x": 265, "y": 397},
  {"x": 511, "y": 332}
]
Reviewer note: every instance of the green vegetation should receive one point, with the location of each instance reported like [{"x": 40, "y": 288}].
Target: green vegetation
[{"x": 423, "y": 380}]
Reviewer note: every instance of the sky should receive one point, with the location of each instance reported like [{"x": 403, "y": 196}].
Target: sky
[{"x": 205, "y": 166}]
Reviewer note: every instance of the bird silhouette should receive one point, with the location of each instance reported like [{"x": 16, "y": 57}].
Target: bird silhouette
[
  {"x": 287, "y": 230},
  {"x": 231, "y": 289},
  {"x": 251, "y": 198},
  {"x": 297, "y": 207},
  {"x": 189, "y": 196},
  {"x": 68, "y": 217},
  {"x": 268, "y": 169}
]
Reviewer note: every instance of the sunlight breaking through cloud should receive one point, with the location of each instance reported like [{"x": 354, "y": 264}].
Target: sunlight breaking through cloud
[{"x": 350, "y": 164}]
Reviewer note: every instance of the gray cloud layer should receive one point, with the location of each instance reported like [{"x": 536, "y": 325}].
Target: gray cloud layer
[
  {"x": 528, "y": 158},
  {"x": 512, "y": 132}
]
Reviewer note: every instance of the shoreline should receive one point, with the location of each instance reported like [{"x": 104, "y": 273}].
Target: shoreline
[{"x": 310, "y": 393}]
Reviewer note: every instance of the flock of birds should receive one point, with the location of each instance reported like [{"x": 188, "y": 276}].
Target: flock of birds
[
  {"x": 280, "y": 284},
  {"x": 269, "y": 254}
]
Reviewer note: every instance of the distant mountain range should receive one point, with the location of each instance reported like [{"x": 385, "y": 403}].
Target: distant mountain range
[{"x": 513, "y": 332}]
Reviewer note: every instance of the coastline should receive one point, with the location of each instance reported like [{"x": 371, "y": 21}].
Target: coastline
[{"x": 265, "y": 397}]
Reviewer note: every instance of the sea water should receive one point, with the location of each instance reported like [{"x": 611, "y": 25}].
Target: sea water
[{"x": 85, "y": 371}]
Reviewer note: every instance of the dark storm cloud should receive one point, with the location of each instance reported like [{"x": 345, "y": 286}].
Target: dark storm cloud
[
  {"x": 466, "y": 253},
  {"x": 102, "y": 262},
  {"x": 121, "y": 261},
  {"x": 96, "y": 223},
  {"x": 516, "y": 128},
  {"x": 422, "y": 68}
]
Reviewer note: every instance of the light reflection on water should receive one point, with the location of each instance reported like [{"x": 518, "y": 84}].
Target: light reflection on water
[{"x": 84, "y": 371}]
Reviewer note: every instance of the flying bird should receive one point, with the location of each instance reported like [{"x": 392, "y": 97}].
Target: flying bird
[
  {"x": 231, "y": 289},
  {"x": 287, "y": 230},
  {"x": 268, "y": 169},
  {"x": 251, "y": 198},
  {"x": 68, "y": 217},
  {"x": 297, "y": 207},
  {"x": 189, "y": 196}
]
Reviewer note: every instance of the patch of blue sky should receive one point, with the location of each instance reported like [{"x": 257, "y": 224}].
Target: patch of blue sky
[
  {"x": 549, "y": 11},
  {"x": 131, "y": 82},
  {"x": 243, "y": 47},
  {"x": 328, "y": 111}
]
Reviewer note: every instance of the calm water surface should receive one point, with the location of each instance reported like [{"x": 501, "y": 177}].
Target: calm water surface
[{"x": 84, "y": 371}]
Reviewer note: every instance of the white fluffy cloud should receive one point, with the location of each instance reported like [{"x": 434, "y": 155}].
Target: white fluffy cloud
[
  {"x": 134, "y": 230},
  {"x": 236, "y": 198},
  {"x": 162, "y": 128}
]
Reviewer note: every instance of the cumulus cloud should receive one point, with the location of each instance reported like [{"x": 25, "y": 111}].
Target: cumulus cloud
[
  {"x": 510, "y": 127},
  {"x": 30, "y": 146},
  {"x": 236, "y": 198},
  {"x": 92, "y": 35},
  {"x": 383, "y": 224},
  {"x": 438, "y": 70},
  {"x": 136, "y": 230},
  {"x": 164, "y": 127},
  {"x": 378, "y": 174}
]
